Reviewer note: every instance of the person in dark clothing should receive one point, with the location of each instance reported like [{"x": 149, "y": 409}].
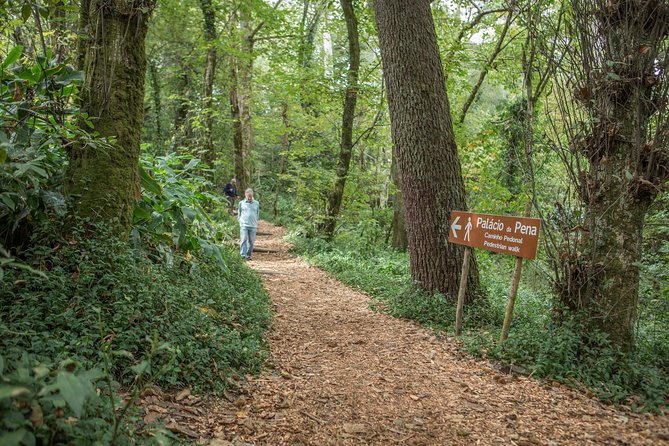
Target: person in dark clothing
[{"x": 231, "y": 194}]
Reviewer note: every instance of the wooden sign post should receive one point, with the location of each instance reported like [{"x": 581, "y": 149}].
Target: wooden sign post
[{"x": 518, "y": 236}]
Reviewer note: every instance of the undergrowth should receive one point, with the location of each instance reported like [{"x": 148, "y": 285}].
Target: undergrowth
[
  {"x": 121, "y": 312},
  {"x": 565, "y": 352}
]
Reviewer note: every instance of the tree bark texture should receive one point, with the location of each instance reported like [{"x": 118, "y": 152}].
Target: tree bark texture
[
  {"x": 400, "y": 240},
  {"x": 105, "y": 184},
  {"x": 622, "y": 51},
  {"x": 425, "y": 149},
  {"x": 346, "y": 149}
]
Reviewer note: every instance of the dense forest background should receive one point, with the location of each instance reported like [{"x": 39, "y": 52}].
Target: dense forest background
[{"x": 123, "y": 121}]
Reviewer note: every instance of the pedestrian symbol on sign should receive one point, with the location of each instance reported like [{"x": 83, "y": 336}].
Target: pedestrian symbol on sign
[{"x": 468, "y": 228}]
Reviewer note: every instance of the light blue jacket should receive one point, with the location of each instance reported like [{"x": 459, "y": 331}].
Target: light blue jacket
[{"x": 247, "y": 213}]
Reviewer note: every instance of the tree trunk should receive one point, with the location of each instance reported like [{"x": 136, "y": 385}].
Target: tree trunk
[
  {"x": 425, "y": 148},
  {"x": 337, "y": 193},
  {"x": 240, "y": 97},
  {"x": 245, "y": 79},
  {"x": 488, "y": 65},
  {"x": 210, "y": 35},
  {"x": 400, "y": 240},
  {"x": 285, "y": 146},
  {"x": 620, "y": 44},
  {"x": 183, "y": 131},
  {"x": 237, "y": 128},
  {"x": 105, "y": 184}
]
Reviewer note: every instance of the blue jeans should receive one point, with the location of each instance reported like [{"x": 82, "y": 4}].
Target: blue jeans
[{"x": 247, "y": 236}]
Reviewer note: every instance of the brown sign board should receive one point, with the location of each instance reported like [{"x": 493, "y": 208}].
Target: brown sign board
[{"x": 517, "y": 236}]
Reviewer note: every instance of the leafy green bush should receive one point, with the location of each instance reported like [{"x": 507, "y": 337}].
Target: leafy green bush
[
  {"x": 171, "y": 213},
  {"x": 38, "y": 122},
  {"x": 42, "y": 403},
  {"x": 98, "y": 288}
]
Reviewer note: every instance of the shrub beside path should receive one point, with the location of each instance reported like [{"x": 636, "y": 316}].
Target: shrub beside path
[{"x": 342, "y": 374}]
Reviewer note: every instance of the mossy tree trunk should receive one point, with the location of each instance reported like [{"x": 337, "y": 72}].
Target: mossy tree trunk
[
  {"x": 104, "y": 184},
  {"x": 425, "y": 150},
  {"x": 346, "y": 147},
  {"x": 623, "y": 93}
]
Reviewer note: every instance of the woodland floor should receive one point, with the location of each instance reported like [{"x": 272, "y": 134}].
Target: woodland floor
[{"x": 342, "y": 374}]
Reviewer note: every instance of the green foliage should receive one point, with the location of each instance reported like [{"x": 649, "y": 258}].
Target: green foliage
[
  {"x": 46, "y": 403},
  {"x": 584, "y": 359},
  {"x": 171, "y": 213},
  {"x": 97, "y": 288},
  {"x": 36, "y": 126}
]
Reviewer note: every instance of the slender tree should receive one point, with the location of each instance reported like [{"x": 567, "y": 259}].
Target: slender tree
[
  {"x": 105, "y": 183},
  {"x": 425, "y": 150},
  {"x": 346, "y": 146},
  {"x": 210, "y": 36}
]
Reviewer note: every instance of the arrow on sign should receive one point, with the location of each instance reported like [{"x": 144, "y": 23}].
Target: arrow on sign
[{"x": 455, "y": 226}]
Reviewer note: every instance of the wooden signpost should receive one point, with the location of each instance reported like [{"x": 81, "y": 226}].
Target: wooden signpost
[{"x": 518, "y": 236}]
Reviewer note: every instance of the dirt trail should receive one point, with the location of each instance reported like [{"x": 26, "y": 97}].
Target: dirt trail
[{"x": 346, "y": 375}]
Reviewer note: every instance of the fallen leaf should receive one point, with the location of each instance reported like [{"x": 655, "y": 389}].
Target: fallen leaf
[
  {"x": 355, "y": 428},
  {"x": 37, "y": 416},
  {"x": 183, "y": 394},
  {"x": 151, "y": 417}
]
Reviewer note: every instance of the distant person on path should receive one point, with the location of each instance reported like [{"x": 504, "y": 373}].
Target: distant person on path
[
  {"x": 231, "y": 194},
  {"x": 247, "y": 215}
]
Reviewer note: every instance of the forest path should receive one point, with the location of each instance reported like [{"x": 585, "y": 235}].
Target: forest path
[{"x": 346, "y": 375}]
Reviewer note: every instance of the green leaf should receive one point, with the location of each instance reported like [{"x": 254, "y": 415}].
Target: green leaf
[
  {"x": 148, "y": 182},
  {"x": 12, "y": 438},
  {"x": 140, "y": 214},
  {"x": 192, "y": 163},
  {"x": 142, "y": 367},
  {"x": 13, "y": 392},
  {"x": 73, "y": 390},
  {"x": 2, "y": 365},
  {"x": 69, "y": 77},
  {"x": 614, "y": 76},
  {"x": 26, "y": 10},
  {"x": 3, "y": 155},
  {"x": 12, "y": 56}
]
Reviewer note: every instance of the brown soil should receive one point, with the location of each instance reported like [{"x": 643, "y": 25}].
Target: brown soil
[{"x": 342, "y": 374}]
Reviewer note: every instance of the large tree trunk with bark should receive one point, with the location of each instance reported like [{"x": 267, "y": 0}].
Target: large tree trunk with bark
[
  {"x": 105, "y": 183},
  {"x": 623, "y": 90},
  {"x": 346, "y": 149},
  {"x": 399, "y": 240},
  {"x": 425, "y": 149}
]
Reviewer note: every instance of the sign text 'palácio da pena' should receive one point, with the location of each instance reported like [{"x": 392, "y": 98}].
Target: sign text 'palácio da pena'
[{"x": 517, "y": 236}]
